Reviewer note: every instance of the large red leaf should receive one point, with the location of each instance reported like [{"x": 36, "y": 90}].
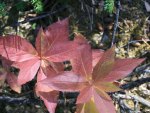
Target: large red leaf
[
  {"x": 52, "y": 46},
  {"x": 16, "y": 48},
  {"x": 66, "y": 81},
  {"x": 105, "y": 72},
  {"x": 24, "y": 56}
]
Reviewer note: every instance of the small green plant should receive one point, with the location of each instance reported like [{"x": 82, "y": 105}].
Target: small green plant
[
  {"x": 2, "y": 9},
  {"x": 108, "y": 6},
  {"x": 38, "y": 5}
]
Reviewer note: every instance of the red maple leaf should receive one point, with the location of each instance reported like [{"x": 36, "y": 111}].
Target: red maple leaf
[
  {"x": 95, "y": 76},
  {"x": 52, "y": 46},
  {"x": 94, "y": 98}
]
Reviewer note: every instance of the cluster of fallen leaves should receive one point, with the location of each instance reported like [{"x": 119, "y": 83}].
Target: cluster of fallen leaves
[{"x": 93, "y": 75}]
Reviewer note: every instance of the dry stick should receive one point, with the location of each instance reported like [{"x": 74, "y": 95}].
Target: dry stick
[
  {"x": 16, "y": 100},
  {"x": 40, "y": 17},
  {"x": 36, "y": 18},
  {"x": 135, "y": 83},
  {"x": 135, "y": 97},
  {"x": 24, "y": 100},
  {"x": 116, "y": 23}
]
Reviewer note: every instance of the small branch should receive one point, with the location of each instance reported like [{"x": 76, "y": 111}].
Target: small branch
[
  {"x": 142, "y": 68},
  {"x": 39, "y": 17},
  {"x": 25, "y": 100},
  {"x": 20, "y": 100},
  {"x": 135, "y": 83},
  {"x": 36, "y": 18},
  {"x": 116, "y": 23}
]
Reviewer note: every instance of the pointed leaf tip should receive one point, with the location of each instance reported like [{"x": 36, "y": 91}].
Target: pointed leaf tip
[
  {"x": 12, "y": 81},
  {"x": 122, "y": 68},
  {"x": 51, "y": 96}
]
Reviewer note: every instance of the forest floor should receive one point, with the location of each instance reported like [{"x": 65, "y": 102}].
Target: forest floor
[{"x": 132, "y": 39}]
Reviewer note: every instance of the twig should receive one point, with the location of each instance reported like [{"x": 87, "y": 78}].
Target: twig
[
  {"x": 36, "y": 18},
  {"x": 142, "y": 68},
  {"x": 40, "y": 17},
  {"x": 20, "y": 100},
  {"x": 25, "y": 100},
  {"x": 116, "y": 23},
  {"x": 135, "y": 83}
]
